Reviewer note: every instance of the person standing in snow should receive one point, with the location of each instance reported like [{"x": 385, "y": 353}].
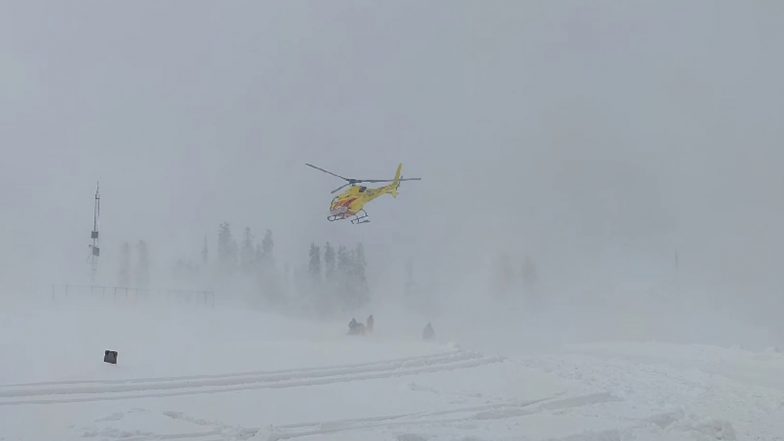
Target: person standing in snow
[
  {"x": 428, "y": 333},
  {"x": 369, "y": 324},
  {"x": 355, "y": 327}
]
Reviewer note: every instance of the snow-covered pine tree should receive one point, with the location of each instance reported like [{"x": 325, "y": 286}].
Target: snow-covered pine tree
[
  {"x": 247, "y": 253},
  {"x": 314, "y": 264},
  {"x": 259, "y": 255},
  {"x": 269, "y": 282},
  {"x": 329, "y": 261},
  {"x": 350, "y": 285},
  {"x": 124, "y": 273},
  {"x": 227, "y": 250},
  {"x": 343, "y": 261},
  {"x": 410, "y": 284},
  {"x": 205, "y": 253},
  {"x": 528, "y": 272},
  {"x": 267, "y": 258},
  {"x": 360, "y": 290},
  {"x": 142, "y": 265},
  {"x": 504, "y": 275},
  {"x": 360, "y": 263},
  {"x": 342, "y": 280},
  {"x": 529, "y": 276}
]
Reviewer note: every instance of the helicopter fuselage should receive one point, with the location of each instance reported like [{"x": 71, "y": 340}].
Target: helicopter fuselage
[
  {"x": 353, "y": 200},
  {"x": 350, "y": 204}
]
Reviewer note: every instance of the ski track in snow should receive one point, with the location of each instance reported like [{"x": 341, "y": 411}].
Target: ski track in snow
[
  {"x": 630, "y": 399},
  {"x": 676, "y": 397},
  {"x": 444, "y": 417},
  {"x": 72, "y": 392},
  {"x": 409, "y": 420},
  {"x": 369, "y": 364}
]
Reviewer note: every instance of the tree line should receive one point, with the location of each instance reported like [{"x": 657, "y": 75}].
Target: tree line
[
  {"x": 332, "y": 279},
  {"x": 337, "y": 279}
]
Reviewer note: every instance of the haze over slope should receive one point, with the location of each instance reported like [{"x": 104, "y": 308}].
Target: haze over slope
[{"x": 600, "y": 139}]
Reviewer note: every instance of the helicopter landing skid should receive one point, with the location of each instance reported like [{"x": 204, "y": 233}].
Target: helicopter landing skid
[{"x": 360, "y": 218}]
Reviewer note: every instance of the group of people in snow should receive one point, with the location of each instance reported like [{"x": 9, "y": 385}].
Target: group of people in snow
[{"x": 358, "y": 328}]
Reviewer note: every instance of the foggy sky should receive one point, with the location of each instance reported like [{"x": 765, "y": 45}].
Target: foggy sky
[{"x": 598, "y": 137}]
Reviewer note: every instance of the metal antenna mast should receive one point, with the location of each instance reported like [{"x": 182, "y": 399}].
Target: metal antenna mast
[{"x": 95, "y": 250}]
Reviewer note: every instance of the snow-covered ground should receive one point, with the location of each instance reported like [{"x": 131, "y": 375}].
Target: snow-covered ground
[{"x": 207, "y": 374}]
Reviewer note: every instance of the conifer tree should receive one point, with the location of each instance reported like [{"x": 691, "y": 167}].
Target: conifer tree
[
  {"x": 267, "y": 259},
  {"x": 124, "y": 274},
  {"x": 329, "y": 261},
  {"x": 359, "y": 286},
  {"x": 142, "y": 265},
  {"x": 528, "y": 272},
  {"x": 205, "y": 253},
  {"x": 227, "y": 250},
  {"x": 247, "y": 252},
  {"x": 314, "y": 264}
]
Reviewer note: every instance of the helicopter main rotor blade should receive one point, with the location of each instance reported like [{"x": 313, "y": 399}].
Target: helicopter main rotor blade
[
  {"x": 328, "y": 172},
  {"x": 340, "y": 188},
  {"x": 389, "y": 180}
]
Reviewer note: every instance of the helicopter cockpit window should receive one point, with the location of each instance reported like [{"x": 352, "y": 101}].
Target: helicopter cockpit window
[{"x": 362, "y": 189}]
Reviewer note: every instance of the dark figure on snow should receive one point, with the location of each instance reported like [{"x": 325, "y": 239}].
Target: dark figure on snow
[
  {"x": 355, "y": 327},
  {"x": 428, "y": 333},
  {"x": 369, "y": 324}
]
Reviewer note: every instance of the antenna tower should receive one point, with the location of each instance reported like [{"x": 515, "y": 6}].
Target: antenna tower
[{"x": 95, "y": 250}]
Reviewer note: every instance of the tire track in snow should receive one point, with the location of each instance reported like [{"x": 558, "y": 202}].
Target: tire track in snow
[
  {"x": 459, "y": 360},
  {"x": 162, "y": 383},
  {"x": 369, "y": 364},
  {"x": 297, "y": 430},
  {"x": 176, "y": 436},
  {"x": 484, "y": 412},
  {"x": 451, "y": 416}
]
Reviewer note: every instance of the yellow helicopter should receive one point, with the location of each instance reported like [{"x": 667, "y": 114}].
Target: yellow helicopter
[{"x": 350, "y": 204}]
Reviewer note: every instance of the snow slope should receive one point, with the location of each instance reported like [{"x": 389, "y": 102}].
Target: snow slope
[{"x": 215, "y": 374}]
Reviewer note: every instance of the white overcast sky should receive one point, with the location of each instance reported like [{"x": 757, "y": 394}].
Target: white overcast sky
[{"x": 597, "y": 136}]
